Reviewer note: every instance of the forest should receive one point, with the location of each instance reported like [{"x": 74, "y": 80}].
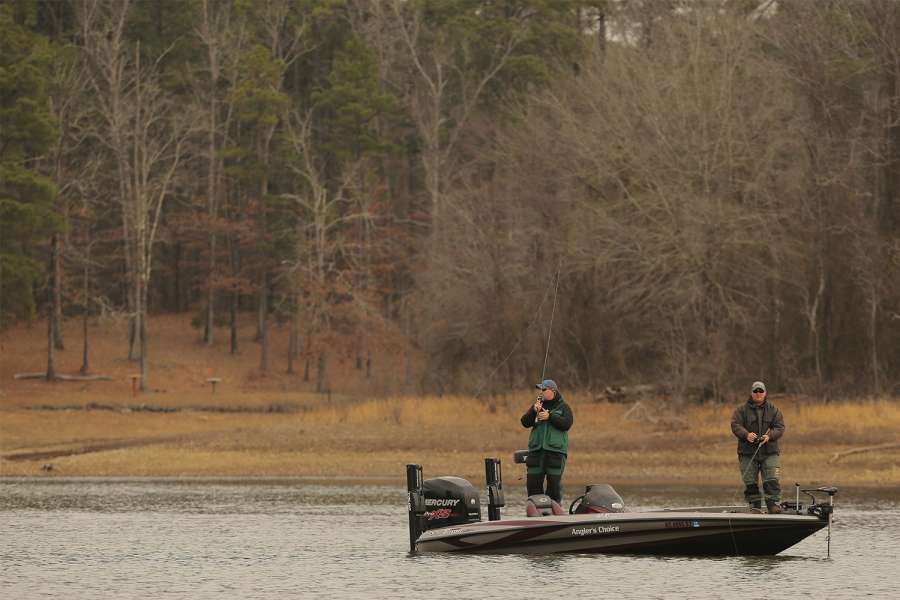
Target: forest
[{"x": 686, "y": 194}]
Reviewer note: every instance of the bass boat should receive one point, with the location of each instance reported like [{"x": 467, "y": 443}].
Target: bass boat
[{"x": 445, "y": 516}]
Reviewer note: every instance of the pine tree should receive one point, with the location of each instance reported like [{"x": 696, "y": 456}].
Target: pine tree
[{"x": 26, "y": 131}]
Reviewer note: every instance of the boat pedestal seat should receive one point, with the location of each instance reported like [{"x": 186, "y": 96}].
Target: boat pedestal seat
[{"x": 541, "y": 505}]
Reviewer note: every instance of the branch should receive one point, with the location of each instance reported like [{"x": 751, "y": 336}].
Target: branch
[
  {"x": 839, "y": 455},
  {"x": 63, "y": 377}
]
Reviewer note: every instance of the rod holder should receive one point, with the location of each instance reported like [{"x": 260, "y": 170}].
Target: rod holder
[{"x": 493, "y": 477}]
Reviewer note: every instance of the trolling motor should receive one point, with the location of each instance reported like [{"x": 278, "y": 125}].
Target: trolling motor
[
  {"x": 815, "y": 508},
  {"x": 823, "y": 511},
  {"x": 597, "y": 498}
]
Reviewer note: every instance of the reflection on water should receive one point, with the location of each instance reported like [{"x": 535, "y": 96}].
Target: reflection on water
[{"x": 298, "y": 539}]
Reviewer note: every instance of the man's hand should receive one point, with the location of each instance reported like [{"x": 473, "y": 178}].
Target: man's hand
[
  {"x": 538, "y": 406},
  {"x": 751, "y": 437},
  {"x": 764, "y": 439},
  {"x": 543, "y": 415}
]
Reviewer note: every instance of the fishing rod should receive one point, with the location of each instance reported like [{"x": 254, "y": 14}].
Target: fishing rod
[
  {"x": 533, "y": 320},
  {"x": 540, "y": 398},
  {"x": 550, "y": 329},
  {"x": 759, "y": 445}
]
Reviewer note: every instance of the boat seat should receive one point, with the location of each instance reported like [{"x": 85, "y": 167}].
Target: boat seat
[{"x": 542, "y": 505}]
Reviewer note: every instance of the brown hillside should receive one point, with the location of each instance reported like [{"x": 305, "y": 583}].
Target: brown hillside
[{"x": 179, "y": 366}]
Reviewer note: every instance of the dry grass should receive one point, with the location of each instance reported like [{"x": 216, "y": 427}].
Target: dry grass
[
  {"x": 376, "y": 438},
  {"x": 355, "y": 436}
]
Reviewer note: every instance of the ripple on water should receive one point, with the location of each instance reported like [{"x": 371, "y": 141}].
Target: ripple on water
[{"x": 293, "y": 539}]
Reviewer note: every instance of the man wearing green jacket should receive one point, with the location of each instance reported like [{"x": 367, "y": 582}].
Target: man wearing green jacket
[{"x": 550, "y": 419}]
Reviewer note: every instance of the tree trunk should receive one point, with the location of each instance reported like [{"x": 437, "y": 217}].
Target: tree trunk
[
  {"x": 306, "y": 368},
  {"x": 208, "y": 336},
  {"x": 85, "y": 367},
  {"x": 889, "y": 200},
  {"x": 235, "y": 293},
  {"x": 263, "y": 323},
  {"x": 873, "y": 334},
  {"x": 292, "y": 343},
  {"x": 51, "y": 309},
  {"x": 180, "y": 292},
  {"x": 263, "y": 314},
  {"x": 51, "y": 369},
  {"x": 134, "y": 338},
  {"x": 212, "y": 209},
  {"x": 774, "y": 371},
  {"x": 407, "y": 342},
  {"x": 812, "y": 317},
  {"x": 131, "y": 285},
  {"x": 295, "y": 328},
  {"x": 143, "y": 330},
  {"x": 321, "y": 365},
  {"x": 260, "y": 319},
  {"x": 57, "y": 295},
  {"x": 140, "y": 329}
]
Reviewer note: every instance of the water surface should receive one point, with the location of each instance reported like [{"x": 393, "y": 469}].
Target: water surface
[{"x": 83, "y": 538}]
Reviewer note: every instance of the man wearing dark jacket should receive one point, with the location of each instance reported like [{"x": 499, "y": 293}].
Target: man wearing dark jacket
[
  {"x": 758, "y": 425},
  {"x": 550, "y": 419}
]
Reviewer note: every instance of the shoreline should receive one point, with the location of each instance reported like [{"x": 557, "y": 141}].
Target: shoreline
[
  {"x": 181, "y": 463},
  {"x": 373, "y": 440},
  {"x": 387, "y": 481}
]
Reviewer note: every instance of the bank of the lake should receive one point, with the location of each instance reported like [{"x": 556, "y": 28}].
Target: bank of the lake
[{"x": 376, "y": 438}]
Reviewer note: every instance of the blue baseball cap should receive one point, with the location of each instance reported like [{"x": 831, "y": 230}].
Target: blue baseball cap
[{"x": 547, "y": 384}]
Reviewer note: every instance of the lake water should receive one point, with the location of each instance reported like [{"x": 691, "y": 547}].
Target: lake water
[{"x": 84, "y": 538}]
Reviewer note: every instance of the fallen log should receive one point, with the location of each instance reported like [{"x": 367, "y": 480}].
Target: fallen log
[
  {"x": 839, "y": 455},
  {"x": 627, "y": 393},
  {"x": 63, "y": 377}
]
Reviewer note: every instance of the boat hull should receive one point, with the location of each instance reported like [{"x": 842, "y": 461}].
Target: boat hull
[{"x": 668, "y": 533}]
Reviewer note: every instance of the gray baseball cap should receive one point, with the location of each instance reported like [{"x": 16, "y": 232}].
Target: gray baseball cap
[
  {"x": 547, "y": 384},
  {"x": 758, "y": 385}
]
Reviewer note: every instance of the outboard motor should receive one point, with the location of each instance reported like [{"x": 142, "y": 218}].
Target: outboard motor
[
  {"x": 450, "y": 501},
  {"x": 541, "y": 505},
  {"x": 438, "y": 502},
  {"x": 598, "y": 498}
]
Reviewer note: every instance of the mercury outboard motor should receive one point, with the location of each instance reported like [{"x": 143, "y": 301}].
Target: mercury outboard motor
[
  {"x": 438, "y": 502},
  {"x": 598, "y": 498},
  {"x": 450, "y": 501}
]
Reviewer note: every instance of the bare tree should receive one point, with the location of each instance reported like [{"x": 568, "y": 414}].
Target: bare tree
[
  {"x": 52, "y": 318},
  {"x": 659, "y": 171},
  {"x": 223, "y": 36},
  {"x": 323, "y": 254},
  {"x": 445, "y": 89},
  {"x": 281, "y": 30},
  {"x": 145, "y": 132}
]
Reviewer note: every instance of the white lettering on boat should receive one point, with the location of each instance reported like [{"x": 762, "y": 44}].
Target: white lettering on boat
[
  {"x": 582, "y": 531},
  {"x": 441, "y": 501}
]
